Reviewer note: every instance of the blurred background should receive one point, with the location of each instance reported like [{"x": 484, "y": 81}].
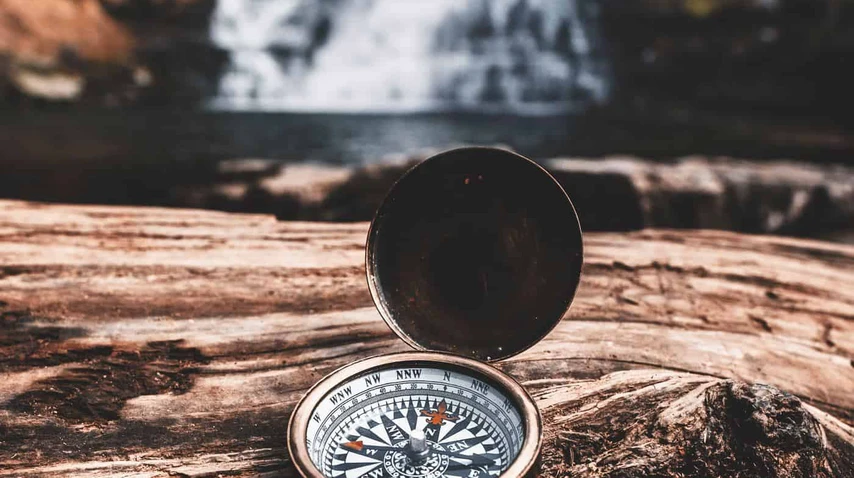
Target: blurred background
[{"x": 729, "y": 114}]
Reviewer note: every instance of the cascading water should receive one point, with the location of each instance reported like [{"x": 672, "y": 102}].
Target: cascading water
[{"x": 409, "y": 55}]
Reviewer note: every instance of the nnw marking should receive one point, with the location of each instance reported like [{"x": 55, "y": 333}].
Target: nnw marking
[{"x": 409, "y": 374}]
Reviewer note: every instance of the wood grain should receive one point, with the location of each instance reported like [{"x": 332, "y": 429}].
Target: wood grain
[{"x": 163, "y": 342}]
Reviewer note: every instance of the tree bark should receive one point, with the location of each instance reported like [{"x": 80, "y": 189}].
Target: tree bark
[{"x": 167, "y": 342}]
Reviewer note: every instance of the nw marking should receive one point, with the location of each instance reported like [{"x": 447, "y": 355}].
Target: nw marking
[{"x": 373, "y": 379}]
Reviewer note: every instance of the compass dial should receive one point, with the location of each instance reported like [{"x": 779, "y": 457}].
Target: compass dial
[{"x": 415, "y": 419}]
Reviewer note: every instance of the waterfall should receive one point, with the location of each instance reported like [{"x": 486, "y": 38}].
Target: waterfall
[{"x": 409, "y": 55}]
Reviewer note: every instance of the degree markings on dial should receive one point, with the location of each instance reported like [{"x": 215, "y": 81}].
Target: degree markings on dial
[
  {"x": 482, "y": 401},
  {"x": 475, "y": 387}
]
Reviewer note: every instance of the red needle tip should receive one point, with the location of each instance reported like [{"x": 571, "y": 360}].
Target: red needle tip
[{"x": 354, "y": 445}]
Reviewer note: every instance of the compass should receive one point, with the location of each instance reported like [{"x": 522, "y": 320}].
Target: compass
[{"x": 473, "y": 256}]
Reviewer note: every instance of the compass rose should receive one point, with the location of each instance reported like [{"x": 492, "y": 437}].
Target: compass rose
[{"x": 457, "y": 441}]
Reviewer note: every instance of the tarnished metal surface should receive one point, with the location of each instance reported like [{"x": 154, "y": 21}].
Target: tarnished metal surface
[{"x": 475, "y": 251}]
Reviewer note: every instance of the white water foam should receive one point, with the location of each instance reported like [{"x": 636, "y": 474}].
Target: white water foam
[{"x": 408, "y": 55}]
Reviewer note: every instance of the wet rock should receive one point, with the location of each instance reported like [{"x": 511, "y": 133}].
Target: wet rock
[
  {"x": 52, "y": 85},
  {"x": 611, "y": 194},
  {"x": 720, "y": 193},
  {"x": 247, "y": 169}
]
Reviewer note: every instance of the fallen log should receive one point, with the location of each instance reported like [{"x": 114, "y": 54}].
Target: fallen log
[{"x": 161, "y": 342}]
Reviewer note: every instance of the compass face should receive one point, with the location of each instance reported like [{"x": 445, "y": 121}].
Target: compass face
[{"x": 416, "y": 419}]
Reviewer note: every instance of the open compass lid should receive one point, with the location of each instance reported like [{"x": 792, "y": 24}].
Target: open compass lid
[{"x": 475, "y": 251}]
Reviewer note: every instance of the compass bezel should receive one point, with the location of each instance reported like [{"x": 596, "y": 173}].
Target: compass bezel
[{"x": 524, "y": 463}]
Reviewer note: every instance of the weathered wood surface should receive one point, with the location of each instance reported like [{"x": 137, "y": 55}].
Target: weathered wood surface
[{"x": 157, "y": 342}]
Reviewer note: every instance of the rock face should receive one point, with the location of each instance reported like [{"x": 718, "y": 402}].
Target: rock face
[
  {"x": 612, "y": 194},
  {"x": 772, "y": 197},
  {"x": 174, "y": 46},
  {"x": 41, "y": 32},
  {"x": 98, "y": 51},
  {"x": 54, "y": 49}
]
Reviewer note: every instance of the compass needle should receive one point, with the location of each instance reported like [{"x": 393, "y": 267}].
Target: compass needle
[
  {"x": 354, "y": 445},
  {"x": 480, "y": 271}
]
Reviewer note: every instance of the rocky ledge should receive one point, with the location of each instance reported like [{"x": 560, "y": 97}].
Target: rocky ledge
[
  {"x": 611, "y": 194},
  {"x": 105, "y": 52}
]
